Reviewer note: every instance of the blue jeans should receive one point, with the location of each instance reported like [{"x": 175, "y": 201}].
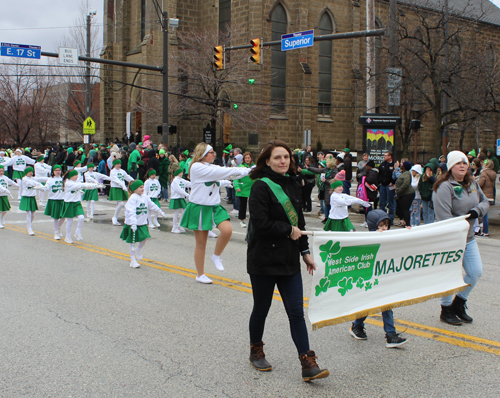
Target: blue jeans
[
  {"x": 291, "y": 291},
  {"x": 387, "y": 198},
  {"x": 473, "y": 267},
  {"x": 164, "y": 193},
  {"x": 387, "y": 317},
  {"x": 485, "y": 224},
  {"x": 347, "y": 187},
  {"x": 415, "y": 212},
  {"x": 427, "y": 212}
]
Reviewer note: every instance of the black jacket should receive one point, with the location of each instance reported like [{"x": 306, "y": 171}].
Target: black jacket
[
  {"x": 270, "y": 250},
  {"x": 385, "y": 173},
  {"x": 153, "y": 162},
  {"x": 372, "y": 178}
]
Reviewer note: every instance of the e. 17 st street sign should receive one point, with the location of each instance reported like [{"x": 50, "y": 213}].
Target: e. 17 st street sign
[
  {"x": 20, "y": 50},
  {"x": 292, "y": 41}
]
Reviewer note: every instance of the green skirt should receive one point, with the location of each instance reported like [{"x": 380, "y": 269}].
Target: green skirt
[
  {"x": 4, "y": 203},
  {"x": 177, "y": 204},
  {"x": 202, "y": 218},
  {"x": 344, "y": 225},
  {"x": 156, "y": 202},
  {"x": 118, "y": 194},
  {"x": 71, "y": 210},
  {"x": 17, "y": 175},
  {"x": 141, "y": 234},
  {"x": 28, "y": 203},
  {"x": 54, "y": 208},
  {"x": 90, "y": 194}
]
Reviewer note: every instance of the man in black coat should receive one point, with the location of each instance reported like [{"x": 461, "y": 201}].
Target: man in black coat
[{"x": 387, "y": 187}]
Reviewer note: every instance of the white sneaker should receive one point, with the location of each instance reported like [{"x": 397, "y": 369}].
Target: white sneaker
[
  {"x": 57, "y": 236},
  {"x": 114, "y": 221},
  {"x": 68, "y": 240},
  {"x": 364, "y": 225},
  {"x": 138, "y": 254},
  {"x": 30, "y": 232},
  {"x": 157, "y": 224},
  {"x": 212, "y": 234},
  {"x": 151, "y": 226},
  {"x": 78, "y": 236},
  {"x": 134, "y": 264},
  {"x": 242, "y": 224},
  {"x": 176, "y": 230},
  {"x": 181, "y": 229},
  {"x": 1, "y": 226},
  {"x": 218, "y": 263},
  {"x": 40, "y": 204},
  {"x": 234, "y": 211},
  {"x": 91, "y": 216},
  {"x": 203, "y": 279}
]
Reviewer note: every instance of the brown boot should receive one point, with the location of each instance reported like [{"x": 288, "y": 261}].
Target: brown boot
[
  {"x": 258, "y": 358},
  {"x": 310, "y": 369}
]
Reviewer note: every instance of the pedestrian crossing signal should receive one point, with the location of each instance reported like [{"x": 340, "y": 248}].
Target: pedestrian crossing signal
[
  {"x": 255, "y": 50},
  {"x": 218, "y": 58}
]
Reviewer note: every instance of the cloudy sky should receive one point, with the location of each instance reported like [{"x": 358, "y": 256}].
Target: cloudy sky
[{"x": 44, "y": 22}]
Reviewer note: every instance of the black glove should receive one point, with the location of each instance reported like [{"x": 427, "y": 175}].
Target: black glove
[{"x": 473, "y": 214}]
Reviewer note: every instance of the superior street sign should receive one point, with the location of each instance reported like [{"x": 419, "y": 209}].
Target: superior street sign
[
  {"x": 292, "y": 41},
  {"x": 20, "y": 50}
]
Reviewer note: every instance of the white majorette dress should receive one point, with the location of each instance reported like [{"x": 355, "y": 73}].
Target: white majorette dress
[
  {"x": 42, "y": 170},
  {"x": 73, "y": 196},
  {"x": 19, "y": 164},
  {"x": 152, "y": 188},
  {"x": 204, "y": 209},
  {"x": 4, "y": 199},
  {"x": 179, "y": 193},
  {"x": 56, "y": 197},
  {"x": 6, "y": 162},
  {"x": 93, "y": 177},
  {"x": 136, "y": 213},
  {"x": 118, "y": 191},
  {"x": 28, "y": 200}
]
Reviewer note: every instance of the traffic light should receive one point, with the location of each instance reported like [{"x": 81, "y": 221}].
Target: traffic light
[
  {"x": 255, "y": 50},
  {"x": 219, "y": 58},
  {"x": 235, "y": 106}
]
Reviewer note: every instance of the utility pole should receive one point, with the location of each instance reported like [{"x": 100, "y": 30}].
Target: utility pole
[
  {"x": 444, "y": 149},
  {"x": 87, "y": 69},
  {"x": 164, "y": 24},
  {"x": 392, "y": 43},
  {"x": 370, "y": 57}
]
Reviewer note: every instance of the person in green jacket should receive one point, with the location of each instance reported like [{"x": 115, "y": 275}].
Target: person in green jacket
[
  {"x": 133, "y": 160},
  {"x": 164, "y": 177},
  {"x": 425, "y": 185},
  {"x": 405, "y": 193},
  {"x": 490, "y": 154},
  {"x": 243, "y": 187}
]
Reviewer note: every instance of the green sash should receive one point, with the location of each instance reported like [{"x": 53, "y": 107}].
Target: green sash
[{"x": 282, "y": 197}]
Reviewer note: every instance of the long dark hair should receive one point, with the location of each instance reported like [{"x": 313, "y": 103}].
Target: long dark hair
[
  {"x": 468, "y": 179},
  {"x": 261, "y": 164}
]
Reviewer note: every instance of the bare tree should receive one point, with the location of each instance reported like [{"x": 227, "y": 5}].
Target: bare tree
[
  {"x": 25, "y": 103},
  {"x": 442, "y": 57}
]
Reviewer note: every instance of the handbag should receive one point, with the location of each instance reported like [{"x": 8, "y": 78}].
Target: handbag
[{"x": 361, "y": 191}]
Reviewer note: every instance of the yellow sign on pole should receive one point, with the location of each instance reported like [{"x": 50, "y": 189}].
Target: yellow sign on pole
[{"x": 89, "y": 126}]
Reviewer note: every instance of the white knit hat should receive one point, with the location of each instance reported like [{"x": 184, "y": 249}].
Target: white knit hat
[{"x": 455, "y": 157}]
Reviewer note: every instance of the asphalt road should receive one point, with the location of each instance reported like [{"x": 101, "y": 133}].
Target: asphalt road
[{"x": 77, "y": 321}]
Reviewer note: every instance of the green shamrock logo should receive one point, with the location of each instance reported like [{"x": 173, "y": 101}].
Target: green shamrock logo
[
  {"x": 360, "y": 283},
  {"x": 368, "y": 286},
  {"x": 323, "y": 286},
  {"x": 345, "y": 285},
  {"x": 375, "y": 283},
  {"x": 329, "y": 248}
]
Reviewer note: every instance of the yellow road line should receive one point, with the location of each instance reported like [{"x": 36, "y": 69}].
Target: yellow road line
[{"x": 425, "y": 331}]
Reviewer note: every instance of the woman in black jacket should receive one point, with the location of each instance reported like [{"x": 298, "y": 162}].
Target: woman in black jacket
[{"x": 275, "y": 243}]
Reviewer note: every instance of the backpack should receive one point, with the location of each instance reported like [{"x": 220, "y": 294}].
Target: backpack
[{"x": 361, "y": 191}]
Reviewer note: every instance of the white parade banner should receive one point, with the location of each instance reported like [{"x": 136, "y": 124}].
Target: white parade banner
[{"x": 364, "y": 273}]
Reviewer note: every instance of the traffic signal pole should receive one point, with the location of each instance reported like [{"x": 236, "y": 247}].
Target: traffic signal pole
[{"x": 164, "y": 24}]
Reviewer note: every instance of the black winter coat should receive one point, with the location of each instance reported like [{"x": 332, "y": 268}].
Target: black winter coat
[
  {"x": 270, "y": 250},
  {"x": 372, "y": 179}
]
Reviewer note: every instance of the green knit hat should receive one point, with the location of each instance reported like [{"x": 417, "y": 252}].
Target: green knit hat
[
  {"x": 1, "y": 167},
  {"x": 28, "y": 169},
  {"x": 177, "y": 172},
  {"x": 56, "y": 166},
  {"x": 336, "y": 183},
  {"x": 186, "y": 152},
  {"x": 72, "y": 173},
  {"x": 228, "y": 149},
  {"x": 162, "y": 151},
  {"x": 136, "y": 184},
  {"x": 39, "y": 158},
  {"x": 90, "y": 165},
  {"x": 77, "y": 162},
  {"x": 152, "y": 173},
  {"x": 116, "y": 161}
]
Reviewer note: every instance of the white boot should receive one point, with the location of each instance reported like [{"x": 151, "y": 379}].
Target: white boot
[{"x": 134, "y": 264}]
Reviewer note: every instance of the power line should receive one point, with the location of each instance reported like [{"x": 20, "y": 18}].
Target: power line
[{"x": 50, "y": 27}]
